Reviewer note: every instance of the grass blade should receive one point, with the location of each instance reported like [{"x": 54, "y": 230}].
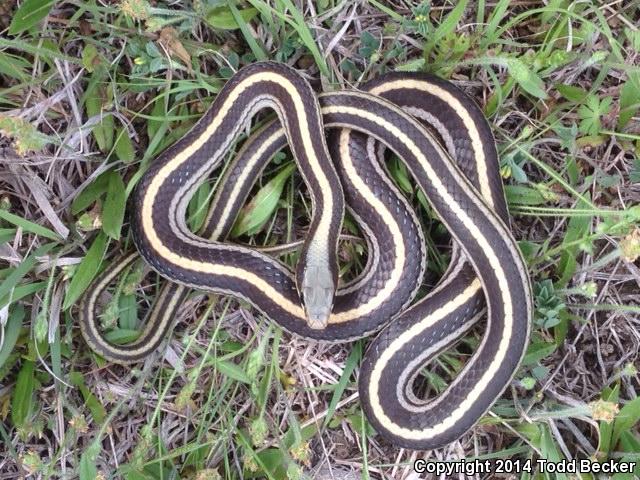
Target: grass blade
[
  {"x": 86, "y": 270},
  {"x": 29, "y": 14},
  {"x": 28, "y": 226},
  {"x": 23, "y": 394}
]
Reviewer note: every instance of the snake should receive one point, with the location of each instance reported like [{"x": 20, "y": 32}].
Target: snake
[{"x": 339, "y": 141}]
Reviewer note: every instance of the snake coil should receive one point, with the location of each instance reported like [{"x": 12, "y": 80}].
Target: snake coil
[{"x": 445, "y": 143}]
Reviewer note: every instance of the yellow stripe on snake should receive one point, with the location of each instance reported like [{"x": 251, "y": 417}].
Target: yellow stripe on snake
[{"x": 337, "y": 140}]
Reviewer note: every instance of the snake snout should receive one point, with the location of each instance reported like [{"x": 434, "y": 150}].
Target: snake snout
[{"x": 318, "y": 289}]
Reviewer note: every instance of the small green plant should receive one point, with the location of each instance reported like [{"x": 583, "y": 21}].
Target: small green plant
[
  {"x": 549, "y": 304},
  {"x": 591, "y": 113}
]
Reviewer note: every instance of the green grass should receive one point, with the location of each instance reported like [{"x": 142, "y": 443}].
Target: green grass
[{"x": 91, "y": 92}]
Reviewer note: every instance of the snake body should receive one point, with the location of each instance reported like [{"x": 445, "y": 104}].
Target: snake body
[{"x": 453, "y": 162}]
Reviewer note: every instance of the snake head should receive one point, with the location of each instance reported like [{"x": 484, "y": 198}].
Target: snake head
[{"x": 318, "y": 288}]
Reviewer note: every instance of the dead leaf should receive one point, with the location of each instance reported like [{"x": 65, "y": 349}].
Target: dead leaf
[{"x": 170, "y": 41}]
